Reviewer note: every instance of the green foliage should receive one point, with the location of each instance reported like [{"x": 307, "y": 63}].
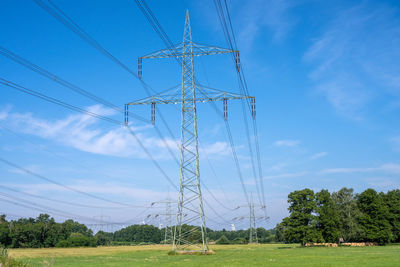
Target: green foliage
[
  {"x": 328, "y": 217},
  {"x": 392, "y": 201},
  {"x": 77, "y": 240},
  {"x": 223, "y": 240},
  {"x": 325, "y": 217},
  {"x": 300, "y": 226},
  {"x": 103, "y": 238},
  {"x": 40, "y": 232},
  {"x": 375, "y": 217},
  {"x": 139, "y": 233},
  {"x": 349, "y": 214}
]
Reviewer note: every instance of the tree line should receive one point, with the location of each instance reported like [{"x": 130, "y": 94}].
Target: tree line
[
  {"x": 313, "y": 217},
  {"x": 341, "y": 216},
  {"x": 44, "y": 231}
]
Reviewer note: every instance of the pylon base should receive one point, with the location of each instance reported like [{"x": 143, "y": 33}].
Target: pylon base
[{"x": 191, "y": 252}]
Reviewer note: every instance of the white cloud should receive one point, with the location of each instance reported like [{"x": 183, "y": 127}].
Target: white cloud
[
  {"x": 82, "y": 132},
  {"x": 130, "y": 192},
  {"x": 286, "y": 175},
  {"x": 4, "y": 112},
  {"x": 383, "y": 183},
  {"x": 31, "y": 167},
  {"x": 79, "y": 131},
  {"x": 286, "y": 143},
  {"x": 258, "y": 15},
  {"x": 356, "y": 58},
  {"x": 217, "y": 148},
  {"x": 391, "y": 168},
  {"x": 318, "y": 155},
  {"x": 387, "y": 168},
  {"x": 277, "y": 167}
]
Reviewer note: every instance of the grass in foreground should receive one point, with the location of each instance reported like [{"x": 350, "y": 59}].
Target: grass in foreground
[
  {"x": 7, "y": 261},
  {"x": 225, "y": 255}
]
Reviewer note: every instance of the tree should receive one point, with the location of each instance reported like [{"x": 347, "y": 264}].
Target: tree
[
  {"x": 392, "y": 201},
  {"x": 374, "y": 219},
  {"x": 328, "y": 218},
  {"x": 300, "y": 226},
  {"x": 103, "y": 238},
  {"x": 349, "y": 214},
  {"x": 280, "y": 232},
  {"x": 4, "y": 232}
]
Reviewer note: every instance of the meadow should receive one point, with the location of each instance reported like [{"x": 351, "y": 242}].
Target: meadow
[{"x": 225, "y": 255}]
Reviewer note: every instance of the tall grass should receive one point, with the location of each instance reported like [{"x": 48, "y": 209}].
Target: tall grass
[{"x": 6, "y": 261}]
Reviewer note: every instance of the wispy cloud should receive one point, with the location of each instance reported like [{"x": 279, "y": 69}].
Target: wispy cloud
[
  {"x": 356, "y": 58},
  {"x": 286, "y": 175},
  {"x": 383, "y": 183},
  {"x": 318, "y": 155},
  {"x": 88, "y": 187},
  {"x": 286, "y": 143},
  {"x": 217, "y": 148},
  {"x": 391, "y": 168},
  {"x": 277, "y": 167},
  {"x": 258, "y": 15},
  {"x": 384, "y": 169},
  {"x": 83, "y": 133},
  {"x": 4, "y": 112}
]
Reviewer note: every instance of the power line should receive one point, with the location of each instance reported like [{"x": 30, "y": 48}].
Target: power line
[
  {"x": 63, "y": 82},
  {"x": 162, "y": 34},
  {"x": 75, "y": 204},
  {"x": 67, "y": 21},
  {"x": 243, "y": 87},
  {"x": 95, "y": 115},
  {"x": 60, "y": 184},
  {"x": 244, "y": 83},
  {"x": 56, "y": 101},
  {"x": 43, "y": 208}
]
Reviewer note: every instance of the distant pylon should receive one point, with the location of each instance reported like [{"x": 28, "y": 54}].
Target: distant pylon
[
  {"x": 252, "y": 219},
  {"x": 252, "y": 229},
  {"x": 168, "y": 233}
]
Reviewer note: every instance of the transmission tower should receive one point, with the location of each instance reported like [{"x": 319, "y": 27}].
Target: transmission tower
[
  {"x": 252, "y": 229},
  {"x": 102, "y": 222},
  {"x": 168, "y": 235},
  {"x": 252, "y": 219},
  {"x": 190, "y": 209}
]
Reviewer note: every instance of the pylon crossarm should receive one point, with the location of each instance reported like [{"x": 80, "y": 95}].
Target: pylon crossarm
[
  {"x": 209, "y": 95},
  {"x": 198, "y": 50}
]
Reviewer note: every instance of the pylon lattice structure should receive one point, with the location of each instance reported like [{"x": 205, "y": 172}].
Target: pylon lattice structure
[
  {"x": 190, "y": 230},
  {"x": 252, "y": 219},
  {"x": 168, "y": 234}
]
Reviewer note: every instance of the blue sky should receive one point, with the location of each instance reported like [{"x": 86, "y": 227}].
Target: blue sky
[{"x": 326, "y": 76}]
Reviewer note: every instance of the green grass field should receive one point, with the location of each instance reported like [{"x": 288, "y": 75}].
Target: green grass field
[{"x": 225, "y": 255}]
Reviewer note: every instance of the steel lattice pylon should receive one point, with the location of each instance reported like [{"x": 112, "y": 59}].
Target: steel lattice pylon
[
  {"x": 252, "y": 219},
  {"x": 253, "y": 229},
  {"x": 190, "y": 229}
]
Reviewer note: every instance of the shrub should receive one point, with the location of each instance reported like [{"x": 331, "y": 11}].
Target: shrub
[
  {"x": 77, "y": 240},
  {"x": 223, "y": 240}
]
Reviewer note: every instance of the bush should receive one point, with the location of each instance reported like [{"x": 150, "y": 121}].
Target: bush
[
  {"x": 239, "y": 241},
  {"x": 77, "y": 240},
  {"x": 223, "y": 240}
]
